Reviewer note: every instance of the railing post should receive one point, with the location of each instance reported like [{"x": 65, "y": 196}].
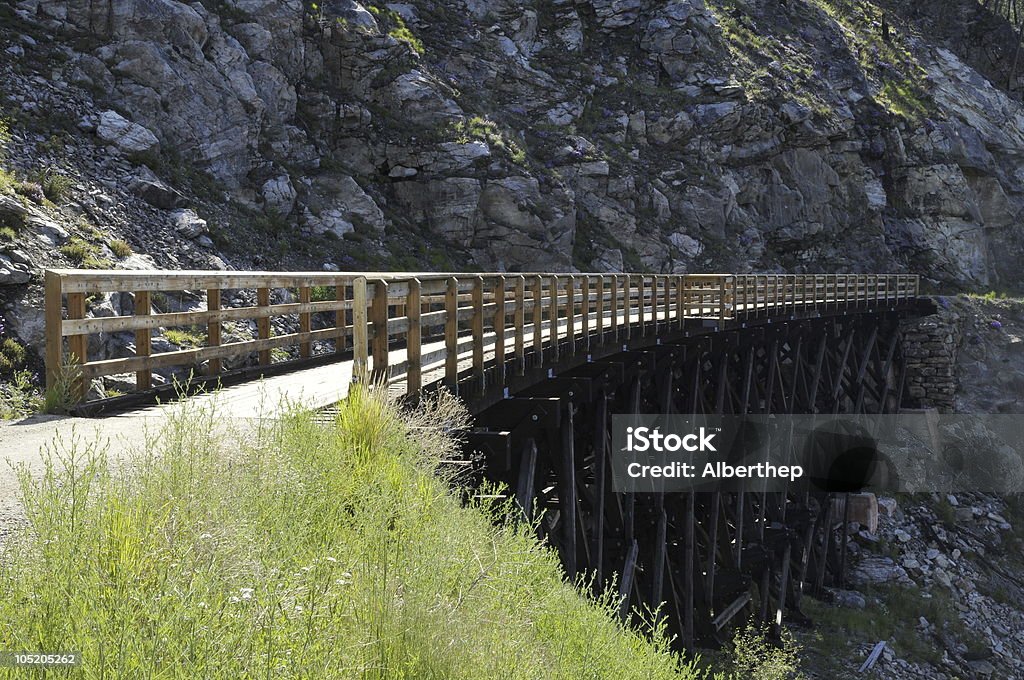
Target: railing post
[
  {"x": 538, "y": 320},
  {"x": 553, "y": 317},
  {"x": 520, "y": 322},
  {"x": 667, "y": 299},
  {"x": 143, "y": 348},
  {"x": 499, "y": 328},
  {"x": 585, "y": 311},
  {"x": 570, "y": 314},
  {"x": 451, "y": 334},
  {"x": 54, "y": 332},
  {"x": 642, "y": 291},
  {"x": 679, "y": 300},
  {"x": 305, "y": 322},
  {"x": 413, "y": 310},
  {"x": 263, "y": 322},
  {"x": 478, "y": 331},
  {"x": 599, "y": 312},
  {"x": 78, "y": 345},
  {"x": 379, "y": 319},
  {"x": 213, "y": 327},
  {"x": 627, "y": 306},
  {"x": 721, "y": 300},
  {"x": 360, "y": 331},
  {"x": 339, "y": 320},
  {"x": 615, "y": 308}
]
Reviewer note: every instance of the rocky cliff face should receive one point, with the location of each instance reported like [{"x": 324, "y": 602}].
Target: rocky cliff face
[
  {"x": 666, "y": 135},
  {"x": 670, "y": 135}
]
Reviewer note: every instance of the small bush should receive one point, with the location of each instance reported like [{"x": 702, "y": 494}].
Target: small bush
[
  {"x": 755, "y": 658},
  {"x": 7, "y": 233},
  {"x": 18, "y": 396},
  {"x": 186, "y": 337},
  {"x": 298, "y": 549},
  {"x": 31, "y": 190},
  {"x": 77, "y": 250},
  {"x": 322, "y": 293},
  {"x": 120, "y": 248},
  {"x": 55, "y": 185},
  {"x": 5, "y": 137}
]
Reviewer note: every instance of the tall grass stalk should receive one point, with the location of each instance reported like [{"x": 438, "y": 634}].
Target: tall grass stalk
[{"x": 298, "y": 549}]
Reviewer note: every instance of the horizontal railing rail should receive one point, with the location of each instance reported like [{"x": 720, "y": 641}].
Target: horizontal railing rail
[{"x": 416, "y": 327}]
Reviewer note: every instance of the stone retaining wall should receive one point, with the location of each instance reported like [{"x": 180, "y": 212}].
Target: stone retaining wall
[{"x": 930, "y": 346}]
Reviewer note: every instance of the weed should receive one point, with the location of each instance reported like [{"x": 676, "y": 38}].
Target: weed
[
  {"x": 120, "y": 248},
  {"x": 54, "y": 184},
  {"x": 76, "y": 250},
  {"x": 31, "y": 190},
  {"x": 322, "y": 293},
  {"x": 479, "y": 128},
  {"x": 12, "y": 356},
  {"x": 84, "y": 254},
  {"x": 5, "y": 137},
  {"x": 753, "y": 657},
  {"x": 7, "y": 233},
  {"x": 298, "y": 548},
  {"x": 186, "y": 337},
  {"x": 392, "y": 22},
  {"x": 18, "y": 396},
  {"x": 63, "y": 394},
  {"x": 8, "y": 180}
]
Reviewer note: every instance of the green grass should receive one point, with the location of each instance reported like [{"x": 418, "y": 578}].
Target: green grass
[
  {"x": 55, "y": 184},
  {"x": 85, "y": 254},
  {"x": 120, "y": 248},
  {"x": 18, "y": 396},
  {"x": 480, "y": 128},
  {"x": 186, "y": 337},
  {"x": 300, "y": 549},
  {"x": 892, "y": 614}
]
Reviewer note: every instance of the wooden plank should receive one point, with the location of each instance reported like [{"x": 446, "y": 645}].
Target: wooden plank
[
  {"x": 118, "y": 324},
  {"x": 585, "y": 312},
  {"x": 570, "y": 314},
  {"x": 615, "y": 307},
  {"x": 538, "y": 320},
  {"x": 360, "y": 332},
  {"x": 599, "y": 311},
  {"x": 339, "y": 318},
  {"x": 451, "y": 334},
  {"x": 414, "y": 338},
  {"x": 628, "y": 574},
  {"x": 734, "y": 608},
  {"x": 520, "y": 325},
  {"x": 527, "y": 474},
  {"x": 143, "y": 344},
  {"x": 305, "y": 322},
  {"x": 78, "y": 345},
  {"x": 477, "y": 326},
  {"x": 600, "y": 483},
  {"x": 213, "y": 328},
  {"x": 54, "y": 335},
  {"x": 499, "y": 329},
  {"x": 660, "y": 556},
  {"x": 263, "y": 323},
  {"x": 192, "y": 357},
  {"x": 567, "y": 490},
  {"x": 689, "y": 563},
  {"x": 380, "y": 337},
  {"x": 553, "y": 317}
]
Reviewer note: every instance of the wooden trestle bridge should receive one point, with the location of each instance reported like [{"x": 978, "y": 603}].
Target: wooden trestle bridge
[{"x": 543, "y": 361}]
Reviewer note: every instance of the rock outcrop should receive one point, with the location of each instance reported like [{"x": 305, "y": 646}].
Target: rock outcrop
[{"x": 682, "y": 134}]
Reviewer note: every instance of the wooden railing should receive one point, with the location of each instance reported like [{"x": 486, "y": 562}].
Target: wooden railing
[{"x": 421, "y": 327}]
